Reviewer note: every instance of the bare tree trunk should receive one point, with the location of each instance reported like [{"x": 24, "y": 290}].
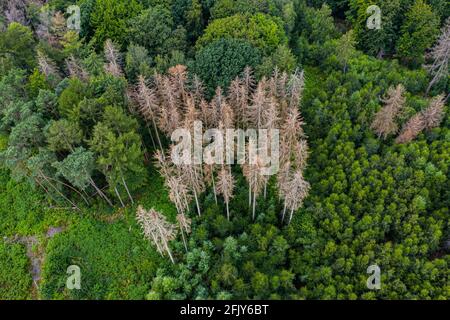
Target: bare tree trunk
[
  {"x": 249, "y": 195},
  {"x": 156, "y": 242},
  {"x": 70, "y": 187},
  {"x": 291, "y": 215},
  {"x": 46, "y": 190},
  {"x": 118, "y": 196},
  {"x": 284, "y": 212},
  {"x": 254, "y": 205},
  {"x": 151, "y": 136},
  {"x": 157, "y": 136},
  {"x": 165, "y": 244},
  {"x": 184, "y": 239},
  {"x": 265, "y": 189},
  {"x": 169, "y": 252},
  {"x": 214, "y": 185},
  {"x": 446, "y": 99},
  {"x": 59, "y": 192},
  {"x": 196, "y": 201},
  {"x": 100, "y": 192},
  {"x": 228, "y": 211},
  {"x": 128, "y": 191}
]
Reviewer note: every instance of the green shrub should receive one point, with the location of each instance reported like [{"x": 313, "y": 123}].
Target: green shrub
[
  {"x": 262, "y": 31},
  {"x": 15, "y": 280},
  {"x": 220, "y": 62}
]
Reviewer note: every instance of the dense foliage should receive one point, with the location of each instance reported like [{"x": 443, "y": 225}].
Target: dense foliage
[{"x": 82, "y": 115}]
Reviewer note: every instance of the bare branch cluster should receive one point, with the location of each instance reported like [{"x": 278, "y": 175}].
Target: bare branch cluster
[
  {"x": 384, "y": 123},
  {"x": 157, "y": 229},
  {"x": 113, "y": 59},
  {"x": 172, "y": 101},
  {"x": 440, "y": 55},
  {"x": 427, "y": 119}
]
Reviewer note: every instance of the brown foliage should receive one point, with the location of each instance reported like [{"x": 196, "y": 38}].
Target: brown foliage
[{"x": 384, "y": 123}]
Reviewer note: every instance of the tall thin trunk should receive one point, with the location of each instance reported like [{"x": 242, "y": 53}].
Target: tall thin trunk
[
  {"x": 46, "y": 190},
  {"x": 254, "y": 205},
  {"x": 128, "y": 191},
  {"x": 291, "y": 215},
  {"x": 284, "y": 212},
  {"x": 214, "y": 185},
  {"x": 178, "y": 209},
  {"x": 184, "y": 239},
  {"x": 151, "y": 136},
  {"x": 157, "y": 244},
  {"x": 118, "y": 196},
  {"x": 165, "y": 243},
  {"x": 196, "y": 201},
  {"x": 72, "y": 188},
  {"x": 249, "y": 195},
  {"x": 169, "y": 252},
  {"x": 100, "y": 192},
  {"x": 228, "y": 211},
  {"x": 59, "y": 192},
  {"x": 157, "y": 136},
  {"x": 265, "y": 189}
]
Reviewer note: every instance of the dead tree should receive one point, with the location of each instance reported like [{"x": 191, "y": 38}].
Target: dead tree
[
  {"x": 113, "y": 59},
  {"x": 185, "y": 227},
  {"x": 384, "y": 123},
  {"x": 157, "y": 229},
  {"x": 427, "y": 119},
  {"x": 434, "y": 113},
  {"x": 297, "y": 189},
  {"x": 259, "y": 102},
  {"x": 75, "y": 69},
  {"x": 192, "y": 177},
  {"x": 47, "y": 66},
  {"x": 440, "y": 54},
  {"x": 148, "y": 107},
  {"x": 225, "y": 187},
  {"x": 295, "y": 88},
  {"x": 252, "y": 173},
  {"x": 411, "y": 129}
]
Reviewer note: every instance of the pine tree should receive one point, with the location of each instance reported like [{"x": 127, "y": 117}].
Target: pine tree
[
  {"x": 225, "y": 186},
  {"x": 434, "y": 113},
  {"x": 259, "y": 102},
  {"x": 63, "y": 135},
  {"x": 252, "y": 172},
  {"x": 411, "y": 129},
  {"x": 41, "y": 170},
  {"x": 77, "y": 168},
  {"x": 113, "y": 58},
  {"x": 440, "y": 54},
  {"x": 75, "y": 68},
  {"x": 47, "y": 66},
  {"x": 148, "y": 106},
  {"x": 157, "y": 229},
  {"x": 384, "y": 123},
  {"x": 296, "y": 191}
]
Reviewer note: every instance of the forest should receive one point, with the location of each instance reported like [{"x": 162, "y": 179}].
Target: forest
[{"x": 93, "y": 205}]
